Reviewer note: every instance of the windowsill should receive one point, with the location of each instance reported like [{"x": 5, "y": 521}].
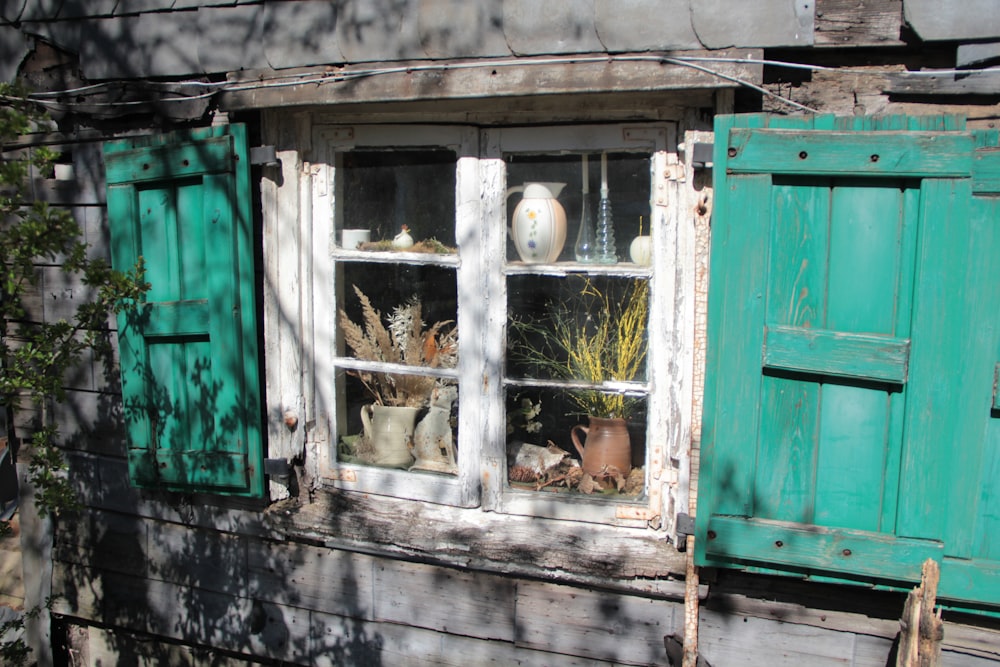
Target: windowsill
[
  {"x": 622, "y": 269},
  {"x": 614, "y": 557},
  {"x": 397, "y": 257}
]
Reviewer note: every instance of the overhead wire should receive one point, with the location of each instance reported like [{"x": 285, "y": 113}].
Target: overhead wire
[{"x": 699, "y": 63}]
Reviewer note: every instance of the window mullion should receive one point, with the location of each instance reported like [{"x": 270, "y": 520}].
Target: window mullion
[{"x": 492, "y": 302}]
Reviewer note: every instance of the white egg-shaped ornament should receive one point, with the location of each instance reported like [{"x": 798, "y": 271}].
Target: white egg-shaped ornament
[{"x": 641, "y": 250}]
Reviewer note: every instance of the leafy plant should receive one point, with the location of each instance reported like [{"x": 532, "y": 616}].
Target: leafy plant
[
  {"x": 36, "y": 356},
  {"x": 593, "y": 338},
  {"x": 403, "y": 340}
]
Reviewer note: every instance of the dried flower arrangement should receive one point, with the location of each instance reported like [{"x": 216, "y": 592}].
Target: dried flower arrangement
[
  {"x": 429, "y": 246},
  {"x": 404, "y": 340},
  {"x": 592, "y": 337}
]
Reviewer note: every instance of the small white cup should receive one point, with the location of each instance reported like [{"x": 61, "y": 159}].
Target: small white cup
[{"x": 350, "y": 239}]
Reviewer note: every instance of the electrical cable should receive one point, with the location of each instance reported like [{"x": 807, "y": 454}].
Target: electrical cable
[{"x": 327, "y": 78}]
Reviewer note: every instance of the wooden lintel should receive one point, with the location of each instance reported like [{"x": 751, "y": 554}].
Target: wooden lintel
[{"x": 435, "y": 80}]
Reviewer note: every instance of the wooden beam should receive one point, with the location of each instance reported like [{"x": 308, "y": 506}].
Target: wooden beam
[
  {"x": 976, "y": 83},
  {"x": 921, "y": 628},
  {"x": 573, "y": 552},
  {"x": 428, "y": 80},
  {"x": 858, "y": 23}
]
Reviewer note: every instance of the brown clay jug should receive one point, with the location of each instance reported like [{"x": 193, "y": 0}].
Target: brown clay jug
[{"x": 607, "y": 447}]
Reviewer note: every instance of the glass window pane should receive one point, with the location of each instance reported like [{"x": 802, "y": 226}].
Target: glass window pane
[
  {"x": 383, "y": 191},
  {"x": 398, "y": 314},
  {"x": 563, "y": 177},
  {"x": 577, "y": 328},
  {"x": 544, "y": 427}
]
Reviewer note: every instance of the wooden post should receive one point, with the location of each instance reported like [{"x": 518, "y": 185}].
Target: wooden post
[
  {"x": 921, "y": 628},
  {"x": 691, "y": 608}
]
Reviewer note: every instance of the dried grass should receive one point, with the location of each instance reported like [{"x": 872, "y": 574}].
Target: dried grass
[{"x": 401, "y": 340}]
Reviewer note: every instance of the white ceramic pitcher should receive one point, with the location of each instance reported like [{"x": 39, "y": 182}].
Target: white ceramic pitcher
[
  {"x": 390, "y": 430},
  {"x": 538, "y": 226}
]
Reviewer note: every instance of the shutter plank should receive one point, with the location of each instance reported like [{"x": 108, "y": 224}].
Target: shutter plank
[
  {"x": 837, "y": 353},
  {"x": 906, "y": 154},
  {"x": 797, "y": 270},
  {"x": 165, "y": 163},
  {"x": 843, "y": 551}
]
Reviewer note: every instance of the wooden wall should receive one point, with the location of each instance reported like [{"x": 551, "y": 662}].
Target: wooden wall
[{"x": 152, "y": 579}]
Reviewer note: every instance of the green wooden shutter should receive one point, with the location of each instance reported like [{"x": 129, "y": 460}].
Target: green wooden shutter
[
  {"x": 189, "y": 353},
  {"x": 853, "y": 314}
]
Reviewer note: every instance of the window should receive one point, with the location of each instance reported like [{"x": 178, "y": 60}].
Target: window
[{"x": 452, "y": 271}]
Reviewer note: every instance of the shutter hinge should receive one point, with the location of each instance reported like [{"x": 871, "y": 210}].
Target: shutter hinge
[
  {"x": 264, "y": 155},
  {"x": 683, "y": 526},
  {"x": 701, "y": 153},
  {"x": 996, "y": 387},
  {"x": 277, "y": 467}
]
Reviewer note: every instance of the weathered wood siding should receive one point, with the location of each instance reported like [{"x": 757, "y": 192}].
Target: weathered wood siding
[{"x": 332, "y": 578}]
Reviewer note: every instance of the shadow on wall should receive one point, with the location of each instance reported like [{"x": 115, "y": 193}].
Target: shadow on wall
[{"x": 185, "y": 568}]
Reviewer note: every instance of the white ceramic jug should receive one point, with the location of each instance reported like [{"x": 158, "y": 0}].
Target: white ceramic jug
[
  {"x": 390, "y": 430},
  {"x": 538, "y": 226}
]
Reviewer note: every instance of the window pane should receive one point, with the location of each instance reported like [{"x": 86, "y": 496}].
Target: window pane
[
  {"x": 542, "y": 455},
  {"x": 384, "y": 190},
  {"x": 577, "y": 328},
  {"x": 563, "y": 177},
  {"x": 398, "y": 314}
]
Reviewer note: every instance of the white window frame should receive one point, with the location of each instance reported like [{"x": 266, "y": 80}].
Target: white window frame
[
  {"x": 482, "y": 219},
  {"x": 463, "y": 489}
]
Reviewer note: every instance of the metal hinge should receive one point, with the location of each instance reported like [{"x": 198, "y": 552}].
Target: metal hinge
[
  {"x": 264, "y": 155},
  {"x": 683, "y": 526},
  {"x": 701, "y": 153},
  {"x": 277, "y": 467}
]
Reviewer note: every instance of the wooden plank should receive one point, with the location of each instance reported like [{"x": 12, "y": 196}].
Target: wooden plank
[
  {"x": 824, "y": 352},
  {"x": 594, "y": 624},
  {"x": 178, "y": 318},
  {"x": 734, "y": 306},
  {"x": 115, "y": 542},
  {"x": 424, "y": 80},
  {"x": 340, "y": 641},
  {"x": 858, "y": 23},
  {"x": 944, "y": 83},
  {"x": 191, "y": 615},
  {"x": 199, "y": 558},
  {"x": 208, "y": 155},
  {"x": 111, "y": 490},
  {"x": 729, "y": 639},
  {"x": 814, "y": 547},
  {"x": 910, "y": 154},
  {"x": 951, "y": 366},
  {"x": 461, "y": 603},
  {"x": 797, "y": 274},
  {"x": 102, "y": 646},
  {"x": 317, "y": 578},
  {"x": 76, "y": 591},
  {"x": 279, "y": 632},
  {"x": 90, "y": 421},
  {"x": 623, "y": 558},
  {"x": 739, "y": 306},
  {"x": 986, "y": 171},
  {"x": 854, "y": 429}
]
